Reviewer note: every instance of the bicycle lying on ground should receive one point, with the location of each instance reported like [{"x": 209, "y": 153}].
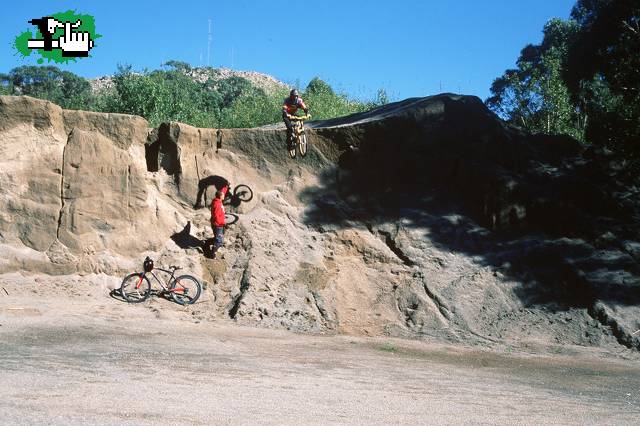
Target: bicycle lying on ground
[
  {"x": 299, "y": 136},
  {"x": 136, "y": 287}
]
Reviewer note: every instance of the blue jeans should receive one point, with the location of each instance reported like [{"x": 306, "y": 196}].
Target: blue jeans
[{"x": 218, "y": 239}]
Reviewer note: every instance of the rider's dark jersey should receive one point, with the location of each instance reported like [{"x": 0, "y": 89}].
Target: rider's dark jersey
[{"x": 292, "y": 105}]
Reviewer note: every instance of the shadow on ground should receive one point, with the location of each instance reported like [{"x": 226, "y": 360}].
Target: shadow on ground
[{"x": 185, "y": 240}]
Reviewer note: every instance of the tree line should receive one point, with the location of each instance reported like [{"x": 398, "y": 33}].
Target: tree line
[
  {"x": 173, "y": 94},
  {"x": 582, "y": 80}
]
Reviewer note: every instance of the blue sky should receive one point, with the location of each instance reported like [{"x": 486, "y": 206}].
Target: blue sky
[{"x": 407, "y": 47}]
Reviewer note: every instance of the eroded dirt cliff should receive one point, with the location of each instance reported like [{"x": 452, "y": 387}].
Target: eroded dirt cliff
[{"x": 428, "y": 217}]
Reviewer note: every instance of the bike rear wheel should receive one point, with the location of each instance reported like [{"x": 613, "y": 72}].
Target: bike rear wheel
[
  {"x": 135, "y": 288},
  {"x": 185, "y": 289},
  {"x": 303, "y": 145},
  {"x": 243, "y": 193},
  {"x": 292, "y": 151}
]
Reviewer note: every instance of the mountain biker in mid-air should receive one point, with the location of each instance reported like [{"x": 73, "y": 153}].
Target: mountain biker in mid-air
[{"x": 289, "y": 108}]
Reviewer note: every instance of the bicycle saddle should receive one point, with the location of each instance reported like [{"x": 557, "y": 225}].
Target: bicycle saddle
[{"x": 174, "y": 267}]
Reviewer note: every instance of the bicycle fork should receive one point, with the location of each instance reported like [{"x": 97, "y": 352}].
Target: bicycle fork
[{"x": 140, "y": 282}]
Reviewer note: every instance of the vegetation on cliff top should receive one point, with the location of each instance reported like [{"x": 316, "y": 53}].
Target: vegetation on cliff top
[
  {"x": 196, "y": 96},
  {"x": 582, "y": 80}
]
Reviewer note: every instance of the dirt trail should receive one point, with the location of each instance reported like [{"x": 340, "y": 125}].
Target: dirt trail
[{"x": 78, "y": 356}]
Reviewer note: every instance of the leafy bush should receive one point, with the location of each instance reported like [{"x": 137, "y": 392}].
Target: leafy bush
[
  {"x": 251, "y": 110},
  {"x": 325, "y": 103},
  {"x": 172, "y": 94}
]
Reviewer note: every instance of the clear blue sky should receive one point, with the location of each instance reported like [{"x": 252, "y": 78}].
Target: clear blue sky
[{"x": 408, "y": 47}]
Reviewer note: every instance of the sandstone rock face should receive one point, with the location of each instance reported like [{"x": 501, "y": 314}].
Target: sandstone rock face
[
  {"x": 76, "y": 194},
  {"x": 33, "y": 140},
  {"x": 104, "y": 197},
  {"x": 425, "y": 218}
]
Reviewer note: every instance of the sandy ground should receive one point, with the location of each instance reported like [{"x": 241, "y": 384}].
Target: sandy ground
[{"x": 71, "y": 354}]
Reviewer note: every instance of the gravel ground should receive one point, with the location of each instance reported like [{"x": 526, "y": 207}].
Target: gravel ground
[{"x": 92, "y": 360}]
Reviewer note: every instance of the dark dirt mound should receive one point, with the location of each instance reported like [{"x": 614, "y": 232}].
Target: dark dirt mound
[{"x": 542, "y": 210}]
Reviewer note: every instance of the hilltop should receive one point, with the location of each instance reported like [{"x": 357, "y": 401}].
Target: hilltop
[{"x": 261, "y": 81}]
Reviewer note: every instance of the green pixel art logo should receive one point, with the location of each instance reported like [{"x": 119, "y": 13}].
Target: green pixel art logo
[{"x": 61, "y": 37}]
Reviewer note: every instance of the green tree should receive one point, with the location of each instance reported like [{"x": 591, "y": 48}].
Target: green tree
[
  {"x": 173, "y": 94},
  {"x": 162, "y": 96},
  {"x": 251, "y": 110},
  {"x": 232, "y": 88},
  {"x": 325, "y": 103},
  {"x": 317, "y": 86},
  {"x": 76, "y": 92},
  {"x": 583, "y": 80},
  {"x": 603, "y": 71},
  {"x": 534, "y": 95},
  {"x": 177, "y": 65},
  {"x": 62, "y": 87},
  {"x": 381, "y": 98},
  {"x": 6, "y": 88}
]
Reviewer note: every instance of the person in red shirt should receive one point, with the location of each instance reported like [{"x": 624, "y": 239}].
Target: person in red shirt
[
  {"x": 217, "y": 219},
  {"x": 289, "y": 108}
]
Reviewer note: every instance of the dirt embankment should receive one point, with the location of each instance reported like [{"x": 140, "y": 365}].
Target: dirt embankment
[{"x": 427, "y": 218}]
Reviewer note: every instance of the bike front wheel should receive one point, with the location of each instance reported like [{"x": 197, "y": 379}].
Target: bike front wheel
[
  {"x": 185, "y": 290},
  {"x": 292, "y": 151},
  {"x": 243, "y": 193},
  {"x": 135, "y": 288},
  {"x": 303, "y": 145}
]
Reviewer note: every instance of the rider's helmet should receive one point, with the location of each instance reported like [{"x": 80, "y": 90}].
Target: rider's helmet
[
  {"x": 293, "y": 93},
  {"x": 148, "y": 264}
]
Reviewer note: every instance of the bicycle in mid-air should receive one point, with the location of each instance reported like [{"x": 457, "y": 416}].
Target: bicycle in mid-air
[
  {"x": 241, "y": 194},
  {"x": 299, "y": 135},
  {"x": 184, "y": 289}
]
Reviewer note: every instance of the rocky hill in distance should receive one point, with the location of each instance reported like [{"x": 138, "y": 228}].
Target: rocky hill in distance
[
  {"x": 265, "y": 82},
  {"x": 426, "y": 218}
]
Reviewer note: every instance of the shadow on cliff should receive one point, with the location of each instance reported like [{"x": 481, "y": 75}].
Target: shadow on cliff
[
  {"x": 185, "y": 240},
  {"x": 215, "y": 181},
  {"x": 539, "y": 209}
]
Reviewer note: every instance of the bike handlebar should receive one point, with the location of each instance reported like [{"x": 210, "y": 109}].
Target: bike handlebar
[
  {"x": 300, "y": 118},
  {"x": 173, "y": 267}
]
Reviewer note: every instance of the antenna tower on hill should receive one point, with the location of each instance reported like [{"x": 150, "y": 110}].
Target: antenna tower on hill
[{"x": 209, "y": 38}]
